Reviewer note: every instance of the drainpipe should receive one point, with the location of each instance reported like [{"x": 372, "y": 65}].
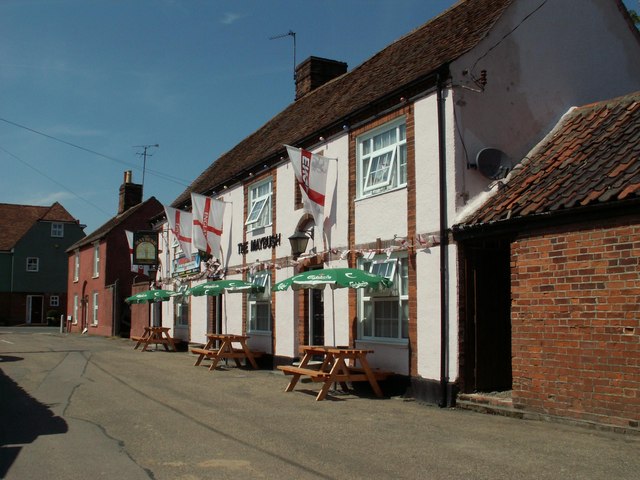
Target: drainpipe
[{"x": 444, "y": 243}]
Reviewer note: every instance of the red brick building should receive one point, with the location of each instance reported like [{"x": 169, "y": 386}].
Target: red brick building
[
  {"x": 100, "y": 275},
  {"x": 566, "y": 224}
]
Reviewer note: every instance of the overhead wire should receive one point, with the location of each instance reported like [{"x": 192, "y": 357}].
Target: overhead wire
[
  {"x": 162, "y": 175},
  {"x": 54, "y": 181}
]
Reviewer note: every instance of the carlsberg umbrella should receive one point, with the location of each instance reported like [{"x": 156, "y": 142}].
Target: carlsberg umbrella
[
  {"x": 224, "y": 286},
  {"x": 335, "y": 278},
  {"x": 151, "y": 296}
]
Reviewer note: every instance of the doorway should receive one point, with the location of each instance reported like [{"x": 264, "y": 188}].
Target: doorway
[
  {"x": 316, "y": 316},
  {"x": 486, "y": 365},
  {"x": 34, "y": 308}
]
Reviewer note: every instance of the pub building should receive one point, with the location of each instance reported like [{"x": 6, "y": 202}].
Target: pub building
[{"x": 412, "y": 141}]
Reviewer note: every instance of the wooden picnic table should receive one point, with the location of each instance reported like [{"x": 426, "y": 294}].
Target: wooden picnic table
[
  {"x": 339, "y": 365},
  {"x": 157, "y": 335},
  {"x": 225, "y": 350}
]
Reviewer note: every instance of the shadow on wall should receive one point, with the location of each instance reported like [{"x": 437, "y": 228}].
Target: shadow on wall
[{"x": 23, "y": 419}]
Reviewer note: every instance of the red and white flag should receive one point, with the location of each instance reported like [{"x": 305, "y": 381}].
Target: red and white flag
[
  {"x": 207, "y": 223},
  {"x": 311, "y": 173},
  {"x": 181, "y": 224},
  {"x": 139, "y": 269}
]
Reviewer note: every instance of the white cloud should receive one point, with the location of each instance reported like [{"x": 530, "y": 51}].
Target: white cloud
[{"x": 230, "y": 17}]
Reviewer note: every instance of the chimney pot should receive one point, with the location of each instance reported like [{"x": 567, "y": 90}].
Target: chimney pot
[{"x": 315, "y": 72}]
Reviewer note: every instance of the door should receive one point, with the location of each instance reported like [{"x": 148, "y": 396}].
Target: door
[
  {"x": 487, "y": 328},
  {"x": 34, "y": 308},
  {"x": 316, "y": 317}
]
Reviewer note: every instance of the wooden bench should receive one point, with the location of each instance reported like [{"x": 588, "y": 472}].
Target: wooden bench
[{"x": 315, "y": 375}]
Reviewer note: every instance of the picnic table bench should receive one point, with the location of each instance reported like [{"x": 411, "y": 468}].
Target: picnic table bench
[
  {"x": 157, "y": 336},
  {"x": 339, "y": 365},
  {"x": 226, "y": 350}
]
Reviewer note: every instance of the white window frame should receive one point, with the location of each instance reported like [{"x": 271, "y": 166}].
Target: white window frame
[
  {"x": 259, "y": 300},
  {"x": 76, "y": 266},
  {"x": 181, "y": 312},
  {"x": 76, "y": 304},
  {"x": 54, "y": 301},
  {"x": 94, "y": 320},
  {"x": 57, "y": 229},
  {"x": 394, "y": 174},
  {"x": 259, "y": 215},
  {"x": 33, "y": 264},
  {"x": 96, "y": 260},
  {"x": 370, "y": 329}
]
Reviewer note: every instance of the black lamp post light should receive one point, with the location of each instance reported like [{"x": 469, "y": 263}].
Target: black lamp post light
[{"x": 299, "y": 241}]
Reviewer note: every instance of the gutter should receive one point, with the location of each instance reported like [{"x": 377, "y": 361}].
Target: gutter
[{"x": 444, "y": 246}]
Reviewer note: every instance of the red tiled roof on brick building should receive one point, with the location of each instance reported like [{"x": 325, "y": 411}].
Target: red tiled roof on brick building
[{"x": 591, "y": 158}]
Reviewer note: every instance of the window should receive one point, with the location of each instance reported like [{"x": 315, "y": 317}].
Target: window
[
  {"x": 180, "y": 312},
  {"x": 76, "y": 266},
  {"x": 94, "y": 320},
  {"x": 54, "y": 301},
  {"x": 33, "y": 264},
  {"x": 57, "y": 229},
  {"x": 75, "y": 308},
  {"x": 260, "y": 206},
  {"x": 260, "y": 304},
  {"x": 382, "y": 159},
  {"x": 96, "y": 260},
  {"x": 385, "y": 315}
]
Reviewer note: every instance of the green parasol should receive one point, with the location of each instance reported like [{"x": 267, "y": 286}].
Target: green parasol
[
  {"x": 151, "y": 296},
  {"x": 224, "y": 286},
  {"x": 335, "y": 278}
]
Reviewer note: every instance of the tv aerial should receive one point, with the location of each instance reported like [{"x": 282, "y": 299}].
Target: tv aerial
[
  {"x": 144, "y": 156},
  {"x": 291, "y": 34}
]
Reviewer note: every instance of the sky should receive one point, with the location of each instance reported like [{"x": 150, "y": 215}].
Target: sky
[{"x": 86, "y": 84}]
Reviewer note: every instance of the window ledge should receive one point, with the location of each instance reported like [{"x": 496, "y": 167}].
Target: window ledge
[
  {"x": 373, "y": 195},
  {"x": 401, "y": 344}
]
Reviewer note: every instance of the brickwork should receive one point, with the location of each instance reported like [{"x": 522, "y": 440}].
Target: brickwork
[{"x": 576, "y": 323}]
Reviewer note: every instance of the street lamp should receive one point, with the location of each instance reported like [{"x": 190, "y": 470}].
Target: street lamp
[{"x": 299, "y": 241}]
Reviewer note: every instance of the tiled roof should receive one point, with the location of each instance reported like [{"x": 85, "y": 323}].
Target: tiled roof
[
  {"x": 16, "y": 220},
  {"x": 112, "y": 223},
  {"x": 592, "y": 157},
  {"x": 410, "y": 59}
]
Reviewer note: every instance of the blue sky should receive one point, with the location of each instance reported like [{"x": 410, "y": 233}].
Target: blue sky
[{"x": 83, "y": 82}]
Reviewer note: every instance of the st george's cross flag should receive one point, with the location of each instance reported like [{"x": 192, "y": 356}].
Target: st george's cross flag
[
  {"x": 181, "y": 224},
  {"x": 139, "y": 269},
  {"x": 311, "y": 173},
  {"x": 207, "y": 223}
]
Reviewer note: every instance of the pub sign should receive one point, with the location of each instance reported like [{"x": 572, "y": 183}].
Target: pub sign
[{"x": 145, "y": 248}]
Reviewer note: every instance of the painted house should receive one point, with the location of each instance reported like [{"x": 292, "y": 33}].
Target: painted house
[
  {"x": 100, "y": 273},
  {"x": 416, "y": 136},
  {"x": 33, "y": 262},
  {"x": 566, "y": 224}
]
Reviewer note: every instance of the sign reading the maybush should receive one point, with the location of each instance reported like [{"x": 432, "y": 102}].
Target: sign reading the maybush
[{"x": 145, "y": 248}]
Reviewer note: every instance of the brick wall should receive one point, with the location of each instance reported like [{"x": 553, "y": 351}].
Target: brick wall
[{"x": 576, "y": 323}]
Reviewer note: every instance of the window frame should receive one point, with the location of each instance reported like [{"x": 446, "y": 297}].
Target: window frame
[
  {"x": 76, "y": 304},
  {"x": 258, "y": 203},
  {"x": 399, "y": 296},
  {"x": 181, "y": 312},
  {"x": 257, "y": 300},
  {"x": 54, "y": 300},
  {"x": 94, "y": 315},
  {"x": 96, "y": 260},
  {"x": 76, "y": 266},
  {"x": 33, "y": 264},
  {"x": 396, "y": 171},
  {"x": 57, "y": 229}
]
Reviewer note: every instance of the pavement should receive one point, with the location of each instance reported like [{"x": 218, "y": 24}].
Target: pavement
[{"x": 77, "y": 406}]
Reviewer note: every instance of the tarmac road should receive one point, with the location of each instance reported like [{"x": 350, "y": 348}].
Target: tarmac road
[{"x": 78, "y": 407}]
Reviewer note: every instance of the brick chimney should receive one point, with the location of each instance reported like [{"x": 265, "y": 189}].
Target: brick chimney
[
  {"x": 315, "y": 72},
  {"x": 130, "y": 194}
]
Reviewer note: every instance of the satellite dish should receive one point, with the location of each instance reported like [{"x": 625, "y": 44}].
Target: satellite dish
[{"x": 493, "y": 163}]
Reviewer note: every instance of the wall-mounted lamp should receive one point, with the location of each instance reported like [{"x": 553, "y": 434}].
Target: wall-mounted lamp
[{"x": 299, "y": 241}]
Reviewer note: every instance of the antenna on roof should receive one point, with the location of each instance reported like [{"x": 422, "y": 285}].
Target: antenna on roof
[
  {"x": 144, "y": 155},
  {"x": 292, "y": 34}
]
